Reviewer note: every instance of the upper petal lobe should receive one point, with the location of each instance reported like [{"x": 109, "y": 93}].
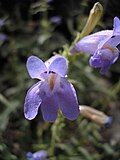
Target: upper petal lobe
[
  {"x": 116, "y": 29},
  {"x": 59, "y": 65},
  {"x": 35, "y": 67}
]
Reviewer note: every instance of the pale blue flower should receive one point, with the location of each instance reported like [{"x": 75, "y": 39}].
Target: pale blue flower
[
  {"x": 102, "y": 46},
  {"x": 39, "y": 155},
  {"x": 53, "y": 92}
]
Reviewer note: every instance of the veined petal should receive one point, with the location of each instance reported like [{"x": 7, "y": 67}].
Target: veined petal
[
  {"x": 68, "y": 100},
  {"x": 110, "y": 42},
  {"x": 49, "y": 108},
  {"x": 59, "y": 65},
  {"x": 116, "y": 29},
  {"x": 35, "y": 67},
  {"x": 32, "y": 102}
]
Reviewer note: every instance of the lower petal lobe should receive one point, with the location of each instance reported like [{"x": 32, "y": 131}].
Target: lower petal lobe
[
  {"x": 32, "y": 102},
  {"x": 68, "y": 100},
  {"x": 49, "y": 108}
]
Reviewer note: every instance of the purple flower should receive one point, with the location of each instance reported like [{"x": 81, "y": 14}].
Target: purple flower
[
  {"x": 2, "y": 22},
  {"x": 108, "y": 122},
  {"x": 52, "y": 92},
  {"x": 101, "y": 46},
  {"x": 3, "y": 37},
  {"x": 40, "y": 155},
  {"x": 56, "y": 19}
]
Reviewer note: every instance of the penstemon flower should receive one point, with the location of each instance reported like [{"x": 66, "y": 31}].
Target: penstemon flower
[
  {"x": 52, "y": 92},
  {"x": 39, "y": 155},
  {"x": 101, "y": 46}
]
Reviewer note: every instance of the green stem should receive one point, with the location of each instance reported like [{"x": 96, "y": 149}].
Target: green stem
[{"x": 56, "y": 133}]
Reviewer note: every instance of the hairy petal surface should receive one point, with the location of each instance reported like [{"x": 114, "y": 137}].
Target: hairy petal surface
[
  {"x": 32, "y": 102},
  {"x": 68, "y": 100},
  {"x": 49, "y": 108},
  {"x": 35, "y": 67}
]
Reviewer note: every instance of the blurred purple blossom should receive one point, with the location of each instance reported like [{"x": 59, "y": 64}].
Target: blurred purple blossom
[
  {"x": 3, "y": 37},
  {"x": 48, "y": 1},
  {"x": 2, "y": 22},
  {"x": 40, "y": 155},
  {"x": 52, "y": 92},
  {"x": 101, "y": 46},
  {"x": 108, "y": 122},
  {"x": 56, "y": 19}
]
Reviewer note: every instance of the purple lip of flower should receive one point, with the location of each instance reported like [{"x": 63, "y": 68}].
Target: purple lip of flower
[
  {"x": 101, "y": 46},
  {"x": 52, "y": 92},
  {"x": 40, "y": 155}
]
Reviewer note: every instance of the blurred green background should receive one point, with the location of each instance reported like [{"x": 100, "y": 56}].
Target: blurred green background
[{"x": 40, "y": 28}]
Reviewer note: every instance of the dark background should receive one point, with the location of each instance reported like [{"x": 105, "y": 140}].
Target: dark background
[{"x": 29, "y": 29}]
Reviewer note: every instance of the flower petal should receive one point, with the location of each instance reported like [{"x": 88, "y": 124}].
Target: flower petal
[
  {"x": 49, "y": 108},
  {"x": 103, "y": 59},
  {"x": 105, "y": 66},
  {"x": 95, "y": 61},
  {"x": 116, "y": 29},
  {"x": 90, "y": 43},
  {"x": 114, "y": 39},
  {"x": 58, "y": 64},
  {"x": 40, "y": 155},
  {"x": 35, "y": 67},
  {"x": 32, "y": 102},
  {"x": 50, "y": 60},
  {"x": 111, "y": 41},
  {"x": 68, "y": 100}
]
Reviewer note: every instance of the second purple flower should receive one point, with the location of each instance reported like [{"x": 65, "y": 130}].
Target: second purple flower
[
  {"x": 52, "y": 92},
  {"x": 101, "y": 46}
]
